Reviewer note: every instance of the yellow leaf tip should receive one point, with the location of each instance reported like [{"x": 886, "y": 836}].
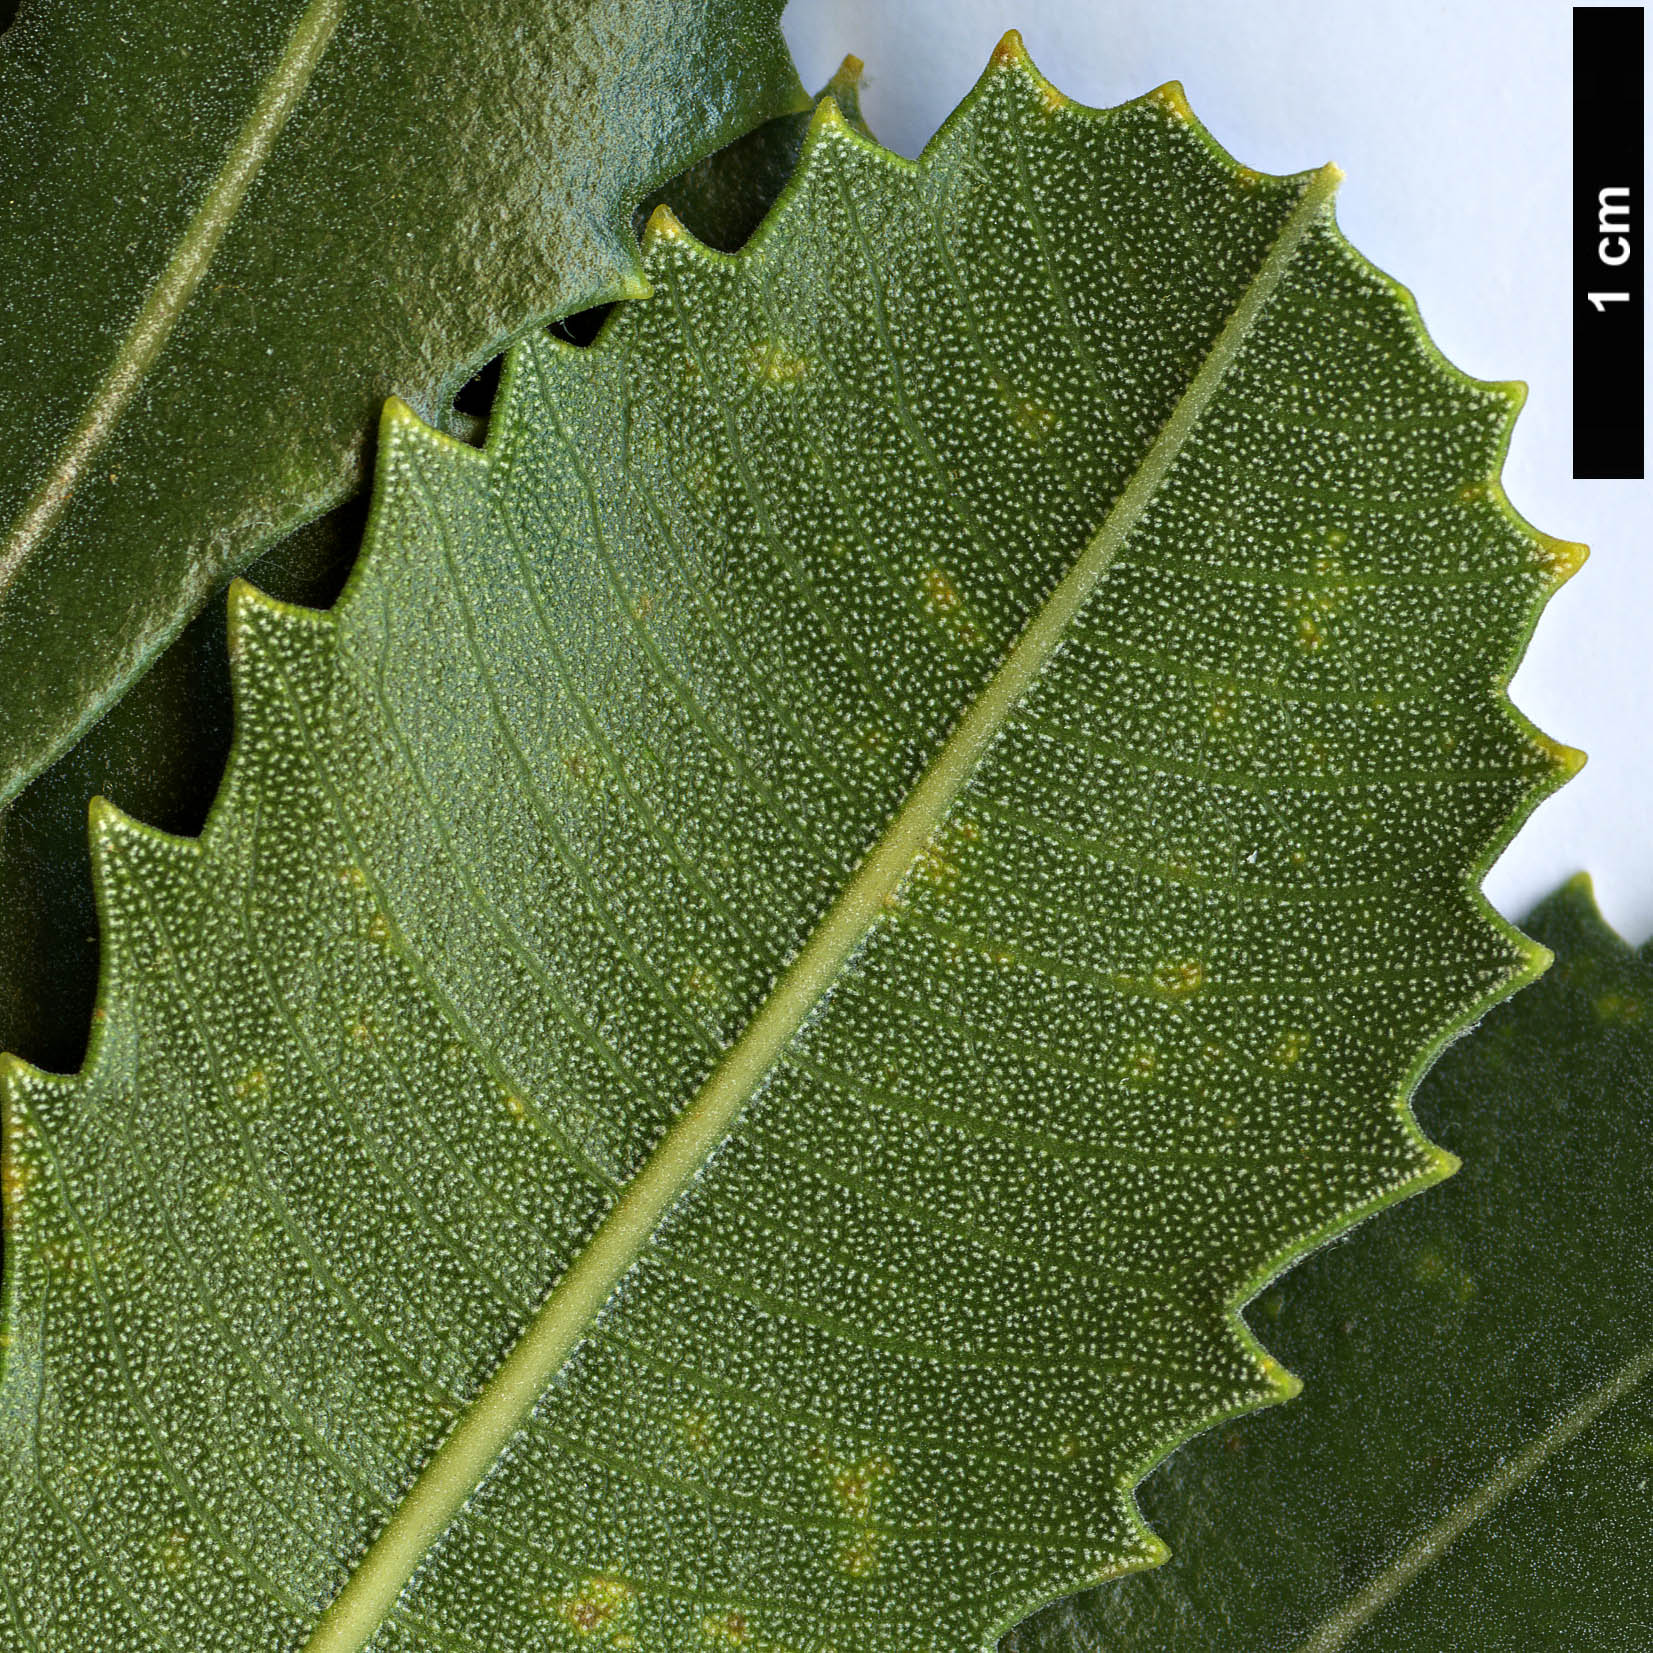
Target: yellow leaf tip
[
  {"x": 828, "y": 117},
  {"x": 1173, "y": 100},
  {"x": 1285, "y": 1385},
  {"x": 1559, "y": 559},
  {"x": 663, "y": 226},
  {"x": 1441, "y": 1163},
  {"x": 1567, "y": 759},
  {"x": 104, "y": 820},
  {"x": 850, "y": 70},
  {"x": 1009, "y": 50}
]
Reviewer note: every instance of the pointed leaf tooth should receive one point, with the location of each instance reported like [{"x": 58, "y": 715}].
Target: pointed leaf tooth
[
  {"x": 827, "y": 117},
  {"x": 662, "y": 229},
  {"x": 1560, "y": 559},
  {"x": 1170, "y": 97},
  {"x": 1010, "y": 52}
]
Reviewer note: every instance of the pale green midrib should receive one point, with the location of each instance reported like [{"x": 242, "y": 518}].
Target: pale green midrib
[
  {"x": 477, "y": 1440},
  {"x": 177, "y": 282},
  {"x": 1334, "y": 1631}
]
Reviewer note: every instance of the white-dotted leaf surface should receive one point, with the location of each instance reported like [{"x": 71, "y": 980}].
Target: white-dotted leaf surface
[{"x": 816, "y": 919}]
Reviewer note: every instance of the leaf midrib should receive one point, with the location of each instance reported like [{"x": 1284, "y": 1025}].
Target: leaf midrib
[
  {"x": 176, "y": 284},
  {"x": 480, "y": 1436}
]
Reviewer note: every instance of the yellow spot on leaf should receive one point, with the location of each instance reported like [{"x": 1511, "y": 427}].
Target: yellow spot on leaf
[
  {"x": 773, "y": 363},
  {"x": 172, "y": 1552},
  {"x": 1141, "y": 1064},
  {"x": 726, "y": 1627},
  {"x": 16, "y": 1179},
  {"x": 940, "y": 593},
  {"x": 858, "y": 1556},
  {"x": 1177, "y": 978},
  {"x": 1289, "y": 1048},
  {"x": 1620, "y": 1008},
  {"x": 696, "y": 1426},
  {"x": 855, "y": 1485},
  {"x": 595, "y": 1605}
]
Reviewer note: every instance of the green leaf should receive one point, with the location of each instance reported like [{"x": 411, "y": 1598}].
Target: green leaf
[
  {"x": 814, "y": 920},
  {"x": 1469, "y": 1465},
  {"x": 225, "y": 245},
  {"x": 159, "y": 753},
  {"x": 722, "y": 199}
]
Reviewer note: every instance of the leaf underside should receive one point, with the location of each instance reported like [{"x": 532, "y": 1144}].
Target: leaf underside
[
  {"x": 819, "y": 915},
  {"x": 1468, "y": 1466}
]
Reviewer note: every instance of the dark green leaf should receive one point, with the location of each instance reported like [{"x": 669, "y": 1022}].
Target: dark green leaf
[
  {"x": 1471, "y": 1464},
  {"x": 230, "y": 234}
]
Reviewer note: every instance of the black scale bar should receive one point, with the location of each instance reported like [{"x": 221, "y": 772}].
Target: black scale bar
[{"x": 1608, "y": 227}]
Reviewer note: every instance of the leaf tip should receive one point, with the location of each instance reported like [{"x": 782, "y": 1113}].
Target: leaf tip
[
  {"x": 397, "y": 412},
  {"x": 1172, "y": 100},
  {"x": 1581, "y": 887},
  {"x": 244, "y": 600},
  {"x": 1440, "y": 1163},
  {"x": 105, "y": 820},
  {"x": 828, "y": 117},
  {"x": 1283, "y": 1385},
  {"x": 1559, "y": 559},
  {"x": 849, "y": 72},
  {"x": 15, "y": 1073},
  {"x": 1567, "y": 760},
  {"x": 1010, "y": 52},
  {"x": 663, "y": 226}
]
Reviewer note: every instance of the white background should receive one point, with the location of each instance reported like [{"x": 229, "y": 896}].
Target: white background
[{"x": 1452, "y": 120}]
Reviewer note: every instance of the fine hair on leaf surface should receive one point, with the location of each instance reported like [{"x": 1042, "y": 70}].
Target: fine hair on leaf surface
[{"x": 819, "y": 915}]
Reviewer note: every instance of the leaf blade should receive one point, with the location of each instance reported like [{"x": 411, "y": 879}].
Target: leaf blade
[
  {"x": 1470, "y": 1443},
  {"x": 538, "y": 818},
  {"x": 346, "y": 275}
]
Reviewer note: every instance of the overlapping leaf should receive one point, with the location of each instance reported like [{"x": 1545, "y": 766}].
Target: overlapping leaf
[
  {"x": 1469, "y": 1464},
  {"x": 227, "y": 239},
  {"x": 160, "y": 752},
  {"x": 812, "y": 923}
]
